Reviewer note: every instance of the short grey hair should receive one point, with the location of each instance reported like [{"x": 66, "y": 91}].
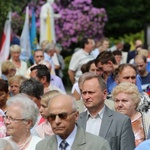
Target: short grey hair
[
  {"x": 89, "y": 75},
  {"x": 8, "y": 145},
  {"x": 32, "y": 87},
  {"x": 28, "y": 108},
  {"x": 49, "y": 47}
]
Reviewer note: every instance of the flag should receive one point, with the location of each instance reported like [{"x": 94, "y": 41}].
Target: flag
[
  {"x": 48, "y": 27},
  {"x": 4, "y": 53},
  {"x": 33, "y": 38},
  {"x": 25, "y": 39}
]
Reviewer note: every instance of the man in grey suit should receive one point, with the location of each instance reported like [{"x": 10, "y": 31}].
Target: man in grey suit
[
  {"x": 99, "y": 119},
  {"x": 68, "y": 136}
]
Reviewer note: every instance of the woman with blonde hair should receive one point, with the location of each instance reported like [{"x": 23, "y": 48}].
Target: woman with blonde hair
[
  {"x": 14, "y": 84},
  {"x": 21, "y": 66},
  {"x": 44, "y": 129},
  {"x": 127, "y": 97},
  {"x": 8, "y": 70}
]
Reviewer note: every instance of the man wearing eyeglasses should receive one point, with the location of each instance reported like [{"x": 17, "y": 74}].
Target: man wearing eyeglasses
[{"x": 68, "y": 136}]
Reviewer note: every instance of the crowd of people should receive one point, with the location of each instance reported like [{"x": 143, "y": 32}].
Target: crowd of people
[{"x": 106, "y": 109}]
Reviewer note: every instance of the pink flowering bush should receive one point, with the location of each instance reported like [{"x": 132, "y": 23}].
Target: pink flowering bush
[{"x": 78, "y": 19}]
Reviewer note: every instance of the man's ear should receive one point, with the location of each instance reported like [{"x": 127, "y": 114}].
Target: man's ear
[
  {"x": 76, "y": 115},
  {"x": 43, "y": 79},
  {"x": 28, "y": 124},
  {"x": 110, "y": 63}
]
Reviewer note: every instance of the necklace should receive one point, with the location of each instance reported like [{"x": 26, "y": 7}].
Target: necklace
[{"x": 22, "y": 146}]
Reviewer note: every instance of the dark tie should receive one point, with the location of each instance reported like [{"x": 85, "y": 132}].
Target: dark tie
[{"x": 63, "y": 145}]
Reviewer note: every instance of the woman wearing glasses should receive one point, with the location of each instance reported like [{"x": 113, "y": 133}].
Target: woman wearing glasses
[{"x": 20, "y": 117}]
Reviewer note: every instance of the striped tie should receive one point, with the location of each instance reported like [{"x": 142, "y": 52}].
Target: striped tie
[{"x": 63, "y": 145}]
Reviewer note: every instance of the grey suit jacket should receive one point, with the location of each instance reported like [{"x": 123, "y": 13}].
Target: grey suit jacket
[
  {"x": 115, "y": 128},
  {"x": 83, "y": 141}
]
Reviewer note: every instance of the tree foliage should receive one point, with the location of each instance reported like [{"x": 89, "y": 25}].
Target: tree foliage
[{"x": 124, "y": 16}]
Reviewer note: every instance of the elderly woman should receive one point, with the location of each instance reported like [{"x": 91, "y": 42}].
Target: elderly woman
[
  {"x": 44, "y": 129},
  {"x": 20, "y": 117},
  {"x": 126, "y": 97},
  {"x": 8, "y": 70},
  {"x": 21, "y": 66},
  {"x": 14, "y": 84}
]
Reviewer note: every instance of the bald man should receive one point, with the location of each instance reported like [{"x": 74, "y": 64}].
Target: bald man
[
  {"x": 141, "y": 63},
  {"x": 63, "y": 116}
]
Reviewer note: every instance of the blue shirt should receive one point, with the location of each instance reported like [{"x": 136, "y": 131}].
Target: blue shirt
[
  {"x": 143, "y": 146},
  {"x": 111, "y": 83}
]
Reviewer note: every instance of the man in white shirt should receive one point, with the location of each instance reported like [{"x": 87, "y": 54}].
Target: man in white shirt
[{"x": 79, "y": 58}]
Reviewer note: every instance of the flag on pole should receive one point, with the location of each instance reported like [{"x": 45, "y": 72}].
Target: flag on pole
[
  {"x": 33, "y": 38},
  {"x": 4, "y": 53},
  {"x": 25, "y": 39},
  {"x": 48, "y": 27}
]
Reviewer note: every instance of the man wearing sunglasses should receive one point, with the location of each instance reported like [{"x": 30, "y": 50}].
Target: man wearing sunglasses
[{"x": 63, "y": 116}]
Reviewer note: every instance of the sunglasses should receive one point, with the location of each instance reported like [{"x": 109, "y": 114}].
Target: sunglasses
[{"x": 61, "y": 116}]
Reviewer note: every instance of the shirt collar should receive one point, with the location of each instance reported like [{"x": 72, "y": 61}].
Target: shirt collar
[
  {"x": 100, "y": 113},
  {"x": 70, "y": 138}
]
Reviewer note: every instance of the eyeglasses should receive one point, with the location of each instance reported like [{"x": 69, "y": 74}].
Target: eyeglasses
[
  {"x": 62, "y": 116},
  {"x": 11, "y": 119}
]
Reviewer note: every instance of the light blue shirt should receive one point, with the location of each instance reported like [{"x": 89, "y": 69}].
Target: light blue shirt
[
  {"x": 69, "y": 140},
  {"x": 48, "y": 58},
  {"x": 143, "y": 146}
]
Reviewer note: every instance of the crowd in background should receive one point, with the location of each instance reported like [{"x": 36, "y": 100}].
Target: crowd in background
[{"x": 110, "y": 89}]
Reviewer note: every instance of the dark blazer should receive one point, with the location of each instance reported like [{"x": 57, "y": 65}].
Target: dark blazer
[
  {"x": 115, "y": 128},
  {"x": 83, "y": 141}
]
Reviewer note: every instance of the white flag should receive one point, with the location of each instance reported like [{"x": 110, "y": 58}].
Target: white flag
[
  {"x": 25, "y": 39},
  {"x": 4, "y": 53}
]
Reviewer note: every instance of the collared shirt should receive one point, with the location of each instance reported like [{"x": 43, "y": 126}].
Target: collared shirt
[
  {"x": 48, "y": 58},
  {"x": 77, "y": 60},
  {"x": 94, "y": 123},
  {"x": 56, "y": 81},
  {"x": 69, "y": 140},
  {"x": 52, "y": 87}
]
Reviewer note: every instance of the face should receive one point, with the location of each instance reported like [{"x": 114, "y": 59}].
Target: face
[
  {"x": 38, "y": 56},
  {"x": 141, "y": 65},
  {"x": 128, "y": 74},
  {"x": 12, "y": 72},
  {"x": 124, "y": 104},
  {"x": 138, "y": 43},
  {"x": 89, "y": 46},
  {"x": 51, "y": 53},
  {"x": 118, "y": 58},
  {"x": 92, "y": 95},
  {"x": 14, "y": 88},
  {"x": 105, "y": 45},
  {"x": 105, "y": 68},
  {"x": 3, "y": 98},
  {"x": 44, "y": 109},
  {"x": 15, "y": 55},
  {"x": 33, "y": 74},
  {"x": 62, "y": 126},
  {"x": 93, "y": 68},
  {"x": 15, "y": 127}
]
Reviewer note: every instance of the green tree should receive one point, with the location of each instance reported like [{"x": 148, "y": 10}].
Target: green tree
[{"x": 124, "y": 16}]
